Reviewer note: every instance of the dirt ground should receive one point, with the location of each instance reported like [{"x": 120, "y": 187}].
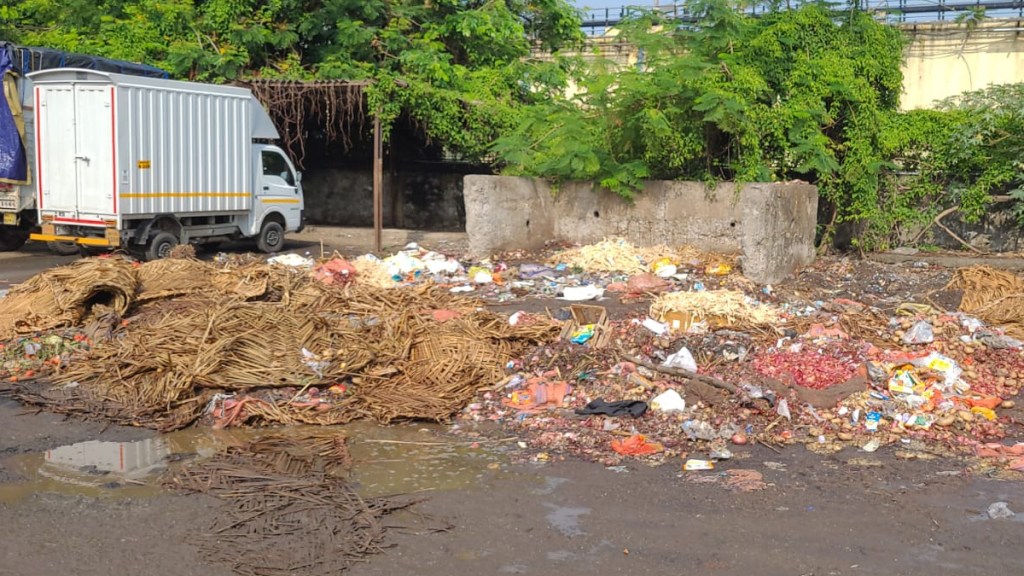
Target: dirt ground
[{"x": 890, "y": 512}]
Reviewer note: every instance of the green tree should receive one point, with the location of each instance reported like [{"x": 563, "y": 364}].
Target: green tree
[
  {"x": 462, "y": 64},
  {"x": 791, "y": 94}
]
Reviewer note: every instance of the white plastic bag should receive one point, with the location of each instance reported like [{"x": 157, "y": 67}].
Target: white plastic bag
[
  {"x": 668, "y": 401},
  {"x": 581, "y": 293},
  {"x": 919, "y": 333},
  {"x": 654, "y": 326},
  {"x": 681, "y": 359},
  {"x": 782, "y": 409}
]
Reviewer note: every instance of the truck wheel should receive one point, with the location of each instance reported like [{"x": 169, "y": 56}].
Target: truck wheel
[
  {"x": 63, "y": 248},
  {"x": 271, "y": 237},
  {"x": 12, "y": 239},
  {"x": 160, "y": 246}
]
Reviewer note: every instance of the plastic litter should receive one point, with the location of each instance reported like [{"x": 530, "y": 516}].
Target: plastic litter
[
  {"x": 449, "y": 266},
  {"x": 692, "y": 465},
  {"x": 872, "y": 420},
  {"x": 782, "y": 409},
  {"x": 334, "y": 271},
  {"x": 997, "y": 510},
  {"x": 655, "y": 326},
  {"x": 582, "y": 334},
  {"x": 636, "y": 445},
  {"x": 699, "y": 430},
  {"x": 292, "y": 261},
  {"x": 582, "y": 293},
  {"x": 720, "y": 454},
  {"x": 481, "y": 275},
  {"x": 920, "y": 333},
  {"x": 402, "y": 264},
  {"x": 534, "y": 271},
  {"x": 998, "y": 341},
  {"x": 668, "y": 401},
  {"x": 666, "y": 271},
  {"x": 681, "y": 359},
  {"x": 753, "y": 392},
  {"x": 945, "y": 365}
]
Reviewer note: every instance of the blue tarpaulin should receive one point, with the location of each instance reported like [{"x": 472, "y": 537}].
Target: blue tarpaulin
[
  {"x": 27, "y": 59},
  {"x": 13, "y": 162}
]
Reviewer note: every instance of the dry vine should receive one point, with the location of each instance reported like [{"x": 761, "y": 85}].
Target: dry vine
[{"x": 337, "y": 106}]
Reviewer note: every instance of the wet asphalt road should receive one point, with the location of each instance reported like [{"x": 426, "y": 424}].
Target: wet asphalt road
[{"x": 16, "y": 267}]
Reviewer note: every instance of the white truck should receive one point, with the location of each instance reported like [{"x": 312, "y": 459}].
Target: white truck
[
  {"x": 146, "y": 164},
  {"x": 18, "y": 215}
]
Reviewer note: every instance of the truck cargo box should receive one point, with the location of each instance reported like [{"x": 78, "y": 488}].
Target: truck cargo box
[{"x": 111, "y": 147}]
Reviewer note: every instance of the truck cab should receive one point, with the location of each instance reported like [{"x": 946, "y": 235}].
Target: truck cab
[{"x": 280, "y": 188}]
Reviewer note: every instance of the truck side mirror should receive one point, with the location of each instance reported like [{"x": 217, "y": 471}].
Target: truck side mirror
[{"x": 298, "y": 176}]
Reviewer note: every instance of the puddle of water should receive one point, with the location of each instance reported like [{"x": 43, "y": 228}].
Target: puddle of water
[
  {"x": 551, "y": 483},
  {"x": 388, "y": 460},
  {"x": 566, "y": 519},
  {"x": 91, "y": 468}
]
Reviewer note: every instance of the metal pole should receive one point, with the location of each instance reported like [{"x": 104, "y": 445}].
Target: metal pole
[{"x": 378, "y": 181}]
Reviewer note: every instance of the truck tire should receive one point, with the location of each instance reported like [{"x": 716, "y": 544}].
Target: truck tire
[
  {"x": 63, "y": 248},
  {"x": 160, "y": 246},
  {"x": 12, "y": 239},
  {"x": 271, "y": 237}
]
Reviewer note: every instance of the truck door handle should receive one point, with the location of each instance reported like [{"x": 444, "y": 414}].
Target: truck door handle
[
  {"x": 81, "y": 157},
  {"x": 266, "y": 187}
]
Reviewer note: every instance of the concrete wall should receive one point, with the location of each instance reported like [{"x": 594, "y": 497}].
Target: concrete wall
[
  {"x": 415, "y": 200},
  {"x": 771, "y": 225},
  {"x": 997, "y": 231},
  {"x": 944, "y": 59}
]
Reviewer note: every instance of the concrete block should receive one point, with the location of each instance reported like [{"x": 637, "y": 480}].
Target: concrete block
[
  {"x": 507, "y": 213},
  {"x": 779, "y": 222},
  {"x": 771, "y": 225}
]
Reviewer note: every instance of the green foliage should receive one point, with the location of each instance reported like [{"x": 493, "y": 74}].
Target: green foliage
[
  {"x": 463, "y": 61},
  {"x": 963, "y": 153},
  {"x": 793, "y": 94}
]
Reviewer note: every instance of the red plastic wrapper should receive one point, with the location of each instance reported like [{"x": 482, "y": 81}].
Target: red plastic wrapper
[{"x": 636, "y": 445}]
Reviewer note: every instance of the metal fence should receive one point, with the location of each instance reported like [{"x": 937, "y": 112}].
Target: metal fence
[{"x": 598, "y": 21}]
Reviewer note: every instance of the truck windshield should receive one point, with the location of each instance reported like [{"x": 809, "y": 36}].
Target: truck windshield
[{"x": 275, "y": 165}]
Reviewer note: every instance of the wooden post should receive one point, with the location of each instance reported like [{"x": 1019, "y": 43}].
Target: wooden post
[{"x": 378, "y": 182}]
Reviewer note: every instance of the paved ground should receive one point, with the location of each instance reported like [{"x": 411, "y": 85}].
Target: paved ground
[{"x": 839, "y": 514}]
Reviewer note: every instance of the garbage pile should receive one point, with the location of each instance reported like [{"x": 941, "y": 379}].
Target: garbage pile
[
  {"x": 712, "y": 361},
  {"x": 577, "y": 273},
  {"x": 244, "y": 341},
  {"x": 706, "y": 371}
]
